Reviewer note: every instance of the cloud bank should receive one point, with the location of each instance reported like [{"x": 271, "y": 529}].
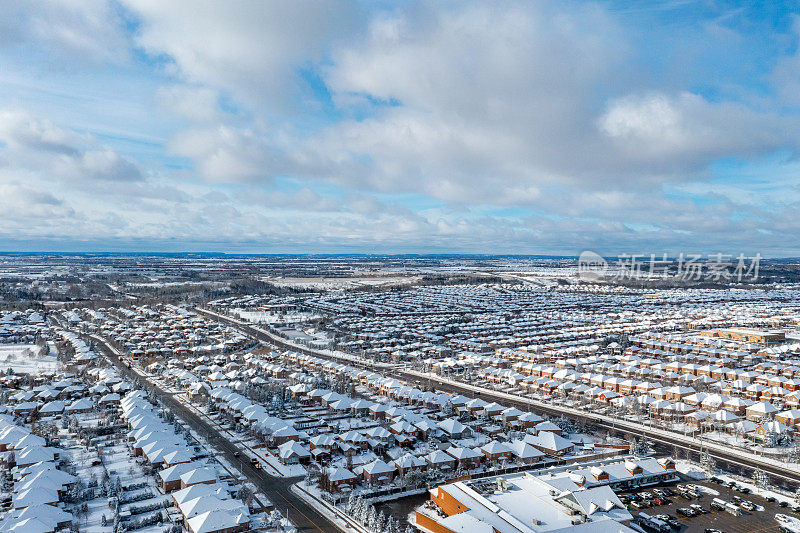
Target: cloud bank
[{"x": 490, "y": 127}]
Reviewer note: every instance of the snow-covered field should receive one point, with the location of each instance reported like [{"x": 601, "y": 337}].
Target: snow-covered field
[
  {"x": 23, "y": 359},
  {"x": 265, "y": 317}
]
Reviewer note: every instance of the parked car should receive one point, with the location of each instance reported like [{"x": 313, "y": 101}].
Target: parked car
[
  {"x": 744, "y": 504},
  {"x": 669, "y": 520},
  {"x": 699, "y": 508},
  {"x": 686, "y": 511}
]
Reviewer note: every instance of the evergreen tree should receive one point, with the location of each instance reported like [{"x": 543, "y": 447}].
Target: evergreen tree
[
  {"x": 708, "y": 463},
  {"x": 360, "y": 513},
  {"x": 372, "y": 518},
  {"x": 761, "y": 479},
  {"x": 447, "y": 410},
  {"x": 380, "y": 524}
]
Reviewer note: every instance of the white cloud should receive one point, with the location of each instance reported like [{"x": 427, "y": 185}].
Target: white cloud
[
  {"x": 250, "y": 48},
  {"x": 38, "y": 145},
  {"x": 74, "y": 29},
  {"x": 198, "y": 104},
  {"x": 685, "y": 130},
  {"x": 20, "y": 130},
  {"x": 437, "y": 126}
]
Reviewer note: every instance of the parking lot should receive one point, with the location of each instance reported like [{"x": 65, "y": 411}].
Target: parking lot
[{"x": 748, "y": 521}]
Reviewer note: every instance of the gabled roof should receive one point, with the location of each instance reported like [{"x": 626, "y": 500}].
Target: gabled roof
[
  {"x": 378, "y": 467},
  {"x": 341, "y": 474},
  {"x": 175, "y": 472},
  {"x": 293, "y": 448},
  {"x": 218, "y": 519},
  {"x": 34, "y": 496},
  {"x": 202, "y": 489}
]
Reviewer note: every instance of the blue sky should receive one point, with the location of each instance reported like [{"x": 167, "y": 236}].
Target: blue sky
[{"x": 380, "y": 127}]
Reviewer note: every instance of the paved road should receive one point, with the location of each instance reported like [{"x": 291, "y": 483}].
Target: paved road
[
  {"x": 277, "y": 489},
  {"x": 731, "y": 461}
]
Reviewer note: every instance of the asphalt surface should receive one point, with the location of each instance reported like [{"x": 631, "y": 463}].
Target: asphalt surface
[
  {"x": 729, "y": 461},
  {"x": 762, "y": 520},
  {"x": 277, "y": 489}
]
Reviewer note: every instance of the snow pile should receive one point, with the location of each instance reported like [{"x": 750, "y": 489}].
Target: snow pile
[
  {"x": 788, "y": 523},
  {"x": 691, "y": 470}
]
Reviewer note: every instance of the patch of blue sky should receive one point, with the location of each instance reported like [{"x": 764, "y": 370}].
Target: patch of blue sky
[{"x": 326, "y": 109}]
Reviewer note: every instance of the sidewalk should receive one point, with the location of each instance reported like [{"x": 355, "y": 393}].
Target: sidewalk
[{"x": 325, "y": 507}]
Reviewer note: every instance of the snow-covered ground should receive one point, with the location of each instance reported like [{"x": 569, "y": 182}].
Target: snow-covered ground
[
  {"x": 313, "y": 497},
  {"x": 265, "y": 317},
  {"x": 690, "y": 470},
  {"x": 26, "y": 359},
  {"x": 789, "y": 522}
]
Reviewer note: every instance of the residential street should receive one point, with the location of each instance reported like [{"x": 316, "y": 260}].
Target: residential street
[{"x": 277, "y": 489}]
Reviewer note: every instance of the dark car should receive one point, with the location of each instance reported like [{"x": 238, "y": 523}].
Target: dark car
[
  {"x": 685, "y": 511},
  {"x": 669, "y": 520},
  {"x": 783, "y": 503},
  {"x": 771, "y": 499},
  {"x": 673, "y": 522}
]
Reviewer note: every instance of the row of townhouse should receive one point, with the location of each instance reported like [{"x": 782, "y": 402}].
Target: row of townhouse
[{"x": 206, "y": 505}]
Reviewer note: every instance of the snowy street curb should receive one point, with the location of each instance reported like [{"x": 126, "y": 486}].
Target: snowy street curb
[{"x": 325, "y": 507}]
